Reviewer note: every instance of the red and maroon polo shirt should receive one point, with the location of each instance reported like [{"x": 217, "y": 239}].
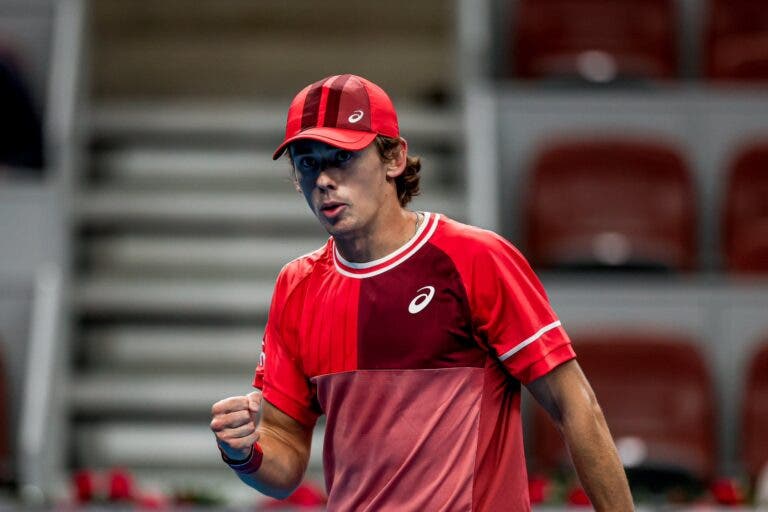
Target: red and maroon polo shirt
[{"x": 416, "y": 360}]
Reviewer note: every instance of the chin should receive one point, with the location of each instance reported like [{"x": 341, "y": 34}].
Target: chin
[
  {"x": 338, "y": 228},
  {"x": 335, "y": 229}
]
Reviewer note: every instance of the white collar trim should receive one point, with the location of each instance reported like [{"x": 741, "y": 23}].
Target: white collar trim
[{"x": 410, "y": 248}]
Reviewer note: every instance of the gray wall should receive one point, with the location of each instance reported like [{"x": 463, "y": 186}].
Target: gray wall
[
  {"x": 28, "y": 238},
  {"x": 28, "y": 242}
]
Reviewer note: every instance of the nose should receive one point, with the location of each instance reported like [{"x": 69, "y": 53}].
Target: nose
[{"x": 324, "y": 180}]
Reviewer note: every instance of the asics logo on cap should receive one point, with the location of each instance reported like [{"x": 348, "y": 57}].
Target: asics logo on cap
[
  {"x": 356, "y": 116},
  {"x": 421, "y": 300}
]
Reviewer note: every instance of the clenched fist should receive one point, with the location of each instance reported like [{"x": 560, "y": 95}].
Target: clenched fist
[{"x": 234, "y": 423}]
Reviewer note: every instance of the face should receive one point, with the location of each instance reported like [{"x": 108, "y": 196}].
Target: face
[{"x": 345, "y": 189}]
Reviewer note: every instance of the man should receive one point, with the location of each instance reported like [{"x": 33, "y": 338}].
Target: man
[{"x": 411, "y": 332}]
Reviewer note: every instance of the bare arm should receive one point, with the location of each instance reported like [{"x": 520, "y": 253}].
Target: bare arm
[
  {"x": 285, "y": 442},
  {"x": 567, "y": 396}
]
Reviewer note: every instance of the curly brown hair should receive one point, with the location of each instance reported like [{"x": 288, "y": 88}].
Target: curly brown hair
[{"x": 408, "y": 182}]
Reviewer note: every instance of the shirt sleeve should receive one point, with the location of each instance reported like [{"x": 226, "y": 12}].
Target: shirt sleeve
[
  {"x": 512, "y": 314},
  {"x": 258, "y": 374},
  {"x": 279, "y": 374}
]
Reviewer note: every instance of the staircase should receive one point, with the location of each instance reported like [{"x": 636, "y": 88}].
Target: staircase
[{"x": 183, "y": 220}]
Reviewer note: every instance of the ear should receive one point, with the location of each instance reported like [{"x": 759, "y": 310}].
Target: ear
[{"x": 396, "y": 166}]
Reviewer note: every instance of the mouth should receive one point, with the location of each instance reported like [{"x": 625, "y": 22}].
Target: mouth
[{"x": 332, "y": 209}]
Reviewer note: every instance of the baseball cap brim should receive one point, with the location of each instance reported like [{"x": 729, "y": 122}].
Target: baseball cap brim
[{"x": 353, "y": 140}]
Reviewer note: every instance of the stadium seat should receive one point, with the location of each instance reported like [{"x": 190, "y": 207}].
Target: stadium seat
[
  {"x": 754, "y": 439},
  {"x": 736, "y": 40},
  {"x": 745, "y": 229},
  {"x": 610, "y": 203},
  {"x": 656, "y": 393},
  {"x": 595, "y": 40}
]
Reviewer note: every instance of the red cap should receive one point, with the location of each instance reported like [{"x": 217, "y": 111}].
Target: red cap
[{"x": 345, "y": 111}]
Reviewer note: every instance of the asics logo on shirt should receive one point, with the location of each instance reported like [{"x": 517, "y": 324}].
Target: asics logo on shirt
[
  {"x": 421, "y": 300},
  {"x": 356, "y": 116}
]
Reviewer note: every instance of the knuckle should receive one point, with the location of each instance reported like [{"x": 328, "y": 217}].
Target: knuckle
[
  {"x": 239, "y": 418},
  {"x": 219, "y": 407}
]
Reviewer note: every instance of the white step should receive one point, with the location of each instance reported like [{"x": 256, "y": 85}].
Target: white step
[
  {"x": 157, "y": 393},
  {"x": 190, "y": 207},
  {"x": 142, "y": 444},
  {"x": 188, "y": 254},
  {"x": 128, "y": 444},
  {"x": 103, "y": 206},
  {"x": 137, "y": 164},
  {"x": 249, "y": 119},
  {"x": 95, "y": 294},
  {"x": 177, "y": 347},
  {"x": 223, "y": 168}
]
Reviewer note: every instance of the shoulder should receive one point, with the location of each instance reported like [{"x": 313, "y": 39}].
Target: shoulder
[
  {"x": 456, "y": 237},
  {"x": 486, "y": 261},
  {"x": 295, "y": 272},
  {"x": 481, "y": 255}
]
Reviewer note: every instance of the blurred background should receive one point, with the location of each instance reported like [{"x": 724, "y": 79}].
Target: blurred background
[{"x": 621, "y": 144}]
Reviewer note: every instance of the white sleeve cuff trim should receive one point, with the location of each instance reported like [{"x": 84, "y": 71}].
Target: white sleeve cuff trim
[{"x": 530, "y": 340}]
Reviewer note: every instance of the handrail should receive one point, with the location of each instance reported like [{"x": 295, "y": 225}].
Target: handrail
[{"x": 38, "y": 384}]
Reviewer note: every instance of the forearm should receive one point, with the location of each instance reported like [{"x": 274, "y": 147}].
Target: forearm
[
  {"x": 567, "y": 396},
  {"x": 595, "y": 458},
  {"x": 282, "y": 467}
]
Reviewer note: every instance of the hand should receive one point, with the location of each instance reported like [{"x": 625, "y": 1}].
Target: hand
[{"x": 234, "y": 424}]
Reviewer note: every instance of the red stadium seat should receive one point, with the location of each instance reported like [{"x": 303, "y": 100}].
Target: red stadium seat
[
  {"x": 745, "y": 230},
  {"x": 597, "y": 40},
  {"x": 610, "y": 203},
  {"x": 754, "y": 441},
  {"x": 654, "y": 388},
  {"x": 736, "y": 40}
]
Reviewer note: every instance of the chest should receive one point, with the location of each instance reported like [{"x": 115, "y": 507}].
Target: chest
[{"x": 414, "y": 316}]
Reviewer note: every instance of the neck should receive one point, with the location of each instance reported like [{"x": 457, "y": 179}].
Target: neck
[{"x": 383, "y": 238}]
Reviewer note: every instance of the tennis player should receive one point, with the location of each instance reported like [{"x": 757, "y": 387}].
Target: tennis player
[{"x": 411, "y": 332}]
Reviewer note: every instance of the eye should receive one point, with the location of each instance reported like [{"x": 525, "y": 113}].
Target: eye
[
  {"x": 306, "y": 163},
  {"x": 344, "y": 156}
]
